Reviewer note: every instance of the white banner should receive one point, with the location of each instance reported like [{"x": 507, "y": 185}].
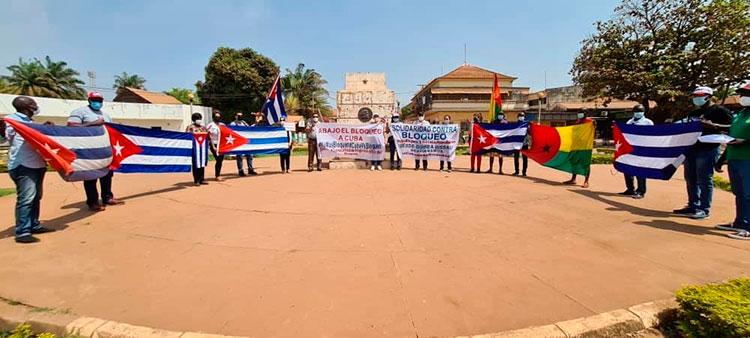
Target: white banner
[
  {"x": 431, "y": 142},
  {"x": 358, "y": 141}
]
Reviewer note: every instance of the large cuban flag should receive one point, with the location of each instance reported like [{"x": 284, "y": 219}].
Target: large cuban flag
[
  {"x": 653, "y": 151},
  {"x": 274, "y": 105},
  {"x": 498, "y": 137},
  {"x": 241, "y": 140},
  {"x": 77, "y": 153},
  {"x": 143, "y": 150}
]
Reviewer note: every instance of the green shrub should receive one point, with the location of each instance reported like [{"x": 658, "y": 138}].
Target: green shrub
[
  {"x": 8, "y": 191},
  {"x": 610, "y": 151},
  {"x": 715, "y": 310},
  {"x": 24, "y": 331},
  {"x": 722, "y": 183},
  {"x": 602, "y": 158}
]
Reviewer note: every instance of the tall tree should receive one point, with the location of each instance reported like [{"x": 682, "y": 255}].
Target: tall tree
[
  {"x": 660, "y": 50},
  {"x": 49, "y": 79},
  {"x": 181, "y": 94},
  {"x": 307, "y": 86},
  {"x": 128, "y": 80},
  {"x": 237, "y": 79}
]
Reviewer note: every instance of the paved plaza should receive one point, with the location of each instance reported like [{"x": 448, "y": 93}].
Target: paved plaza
[{"x": 354, "y": 253}]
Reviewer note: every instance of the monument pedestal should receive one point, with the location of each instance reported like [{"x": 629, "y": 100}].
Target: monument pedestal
[{"x": 354, "y": 164}]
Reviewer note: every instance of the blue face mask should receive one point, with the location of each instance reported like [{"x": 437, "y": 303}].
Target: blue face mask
[
  {"x": 638, "y": 115},
  {"x": 96, "y": 105},
  {"x": 699, "y": 101}
]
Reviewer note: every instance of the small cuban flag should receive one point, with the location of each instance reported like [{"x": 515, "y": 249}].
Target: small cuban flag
[
  {"x": 200, "y": 149},
  {"x": 274, "y": 106}
]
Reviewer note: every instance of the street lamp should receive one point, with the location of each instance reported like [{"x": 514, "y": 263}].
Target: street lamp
[{"x": 540, "y": 96}]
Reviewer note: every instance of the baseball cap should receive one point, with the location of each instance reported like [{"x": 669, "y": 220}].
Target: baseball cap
[
  {"x": 744, "y": 89},
  {"x": 702, "y": 90},
  {"x": 95, "y": 95}
]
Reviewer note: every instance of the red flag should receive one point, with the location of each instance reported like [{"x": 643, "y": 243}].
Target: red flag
[
  {"x": 59, "y": 157},
  {"x": 122, "y": 147},
  {"x": 622, "y": 146},
  {"x": 229, "y": 140},
  {"x": 481, "y": 139}
]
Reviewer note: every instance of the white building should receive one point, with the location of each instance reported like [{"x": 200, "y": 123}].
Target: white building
[
  {"x": 163, "y": 116},
  {"x": 364, "y": 94}
]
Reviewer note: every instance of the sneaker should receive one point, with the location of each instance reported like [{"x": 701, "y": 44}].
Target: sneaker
[
  {"x": 425, "y": 169},
  {"x": 637, "y": 196},
  {"x": 417, "y": 168},
  {"x": 372, "y": 167},
  {"x": 252, "y": 172},
  {"x": 197, "y": 184},
  {"x": 515, "y": 173},
  {"x": 393, "y": 168},
  {"x": 744, "y": 234},
  {"x": 441, "y": 169},
  {"x": 309, "y": 170},
  {"x": 204, "y": 183},
  {"x": 27, "y": 239},
  {"x": 684, "y": 211},
  {"x": 727, "y": 227},
  {"x": 42, "y": 230},
  {"x": 242, "y": 174},
  {"x": 380, "y": 168},
  {"x": 627, "y": 193},
  {"x": 699, "y": 214}
]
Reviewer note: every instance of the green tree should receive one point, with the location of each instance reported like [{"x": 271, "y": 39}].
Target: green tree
[
  {"x": 660, "y": 50},
  {"x": 307, "y": 88},
  {"x": 181, "y": 94},
  {"x": 405, "y": 112},
  {"x": 128, "y": 80},
  {"x": 48, "y": 79},
  {"x": 237, "y": 79}
]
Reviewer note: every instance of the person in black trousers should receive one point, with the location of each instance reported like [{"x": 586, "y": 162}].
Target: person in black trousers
[
  {"x": 518, "y": 153},
  {"x": 392, "y": 144},
  {"x": 199, "y": 174}
]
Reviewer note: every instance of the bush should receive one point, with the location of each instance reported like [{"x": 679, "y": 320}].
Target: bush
[
  {"x": 715, "y": 310},
  {"x": 602, "y": 158},
  {"x": 24, "y": 331},
  {"x": 722, "y": 184}
]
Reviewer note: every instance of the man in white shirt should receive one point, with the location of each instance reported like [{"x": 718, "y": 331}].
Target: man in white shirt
[
  {"x": 238, "y": 121},
  {"x": 422, "y": 122},
  {"x": 214, "y": 133},
  {"x": 640, "y": 119}
]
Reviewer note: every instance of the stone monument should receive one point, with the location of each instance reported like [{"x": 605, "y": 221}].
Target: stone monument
[{"x": 364, "y": 94}]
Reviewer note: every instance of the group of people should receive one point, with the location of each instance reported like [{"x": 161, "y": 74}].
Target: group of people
[{"x": 27, "y": 168}]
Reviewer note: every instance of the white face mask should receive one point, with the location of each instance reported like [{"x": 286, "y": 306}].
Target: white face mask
[
  {"x": 36, "y": 111},
  {"x": 580, "y": 115},
  {"x": 199, "y": 122},
  {"x": 745, "y": 101},
  {"x": 315, "y": 119},
  {"x": 638, "y": 115},
  {"x": 421, "y": 118},
  {"x": 521, "y": 118}
]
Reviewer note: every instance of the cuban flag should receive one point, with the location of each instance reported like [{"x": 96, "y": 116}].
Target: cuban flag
[
  {"x": 498, "y": 137},
  {"x": 653, "y": 151},
  {"x": 274, "y": 106},
  {"x": 143, "y": 150},
  {"x": 77, "y": 153},
  {"x": 241, "y": 140},
  {"x": 200, "y": 150}
]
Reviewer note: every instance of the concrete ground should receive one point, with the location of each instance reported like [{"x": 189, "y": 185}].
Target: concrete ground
[{"x": 345, "y": 253}]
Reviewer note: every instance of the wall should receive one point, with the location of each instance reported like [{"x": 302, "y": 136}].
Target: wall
[
  {"x": 167, "y": 116},
  {"x": 364, "y": 90}
]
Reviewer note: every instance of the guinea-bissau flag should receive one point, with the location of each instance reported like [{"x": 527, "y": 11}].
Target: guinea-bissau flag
[
  {"x": 496, "y": 102},
  {"x": 563, "y": 148}
]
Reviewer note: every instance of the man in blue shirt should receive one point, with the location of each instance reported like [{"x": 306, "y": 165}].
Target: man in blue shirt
[
  {"x": 88, "y": 116},
  {"x": 26, "y": 169}
]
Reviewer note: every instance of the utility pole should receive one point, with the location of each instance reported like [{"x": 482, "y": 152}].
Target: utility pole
[
  {"x": 465, "y": 53},
  {"x": 92, "y": 80}
]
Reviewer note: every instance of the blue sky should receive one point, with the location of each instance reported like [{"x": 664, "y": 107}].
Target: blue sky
[{"x": 170, "y": 42}]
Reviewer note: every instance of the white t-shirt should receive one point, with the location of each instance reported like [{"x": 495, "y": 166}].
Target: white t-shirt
[
  {"x": 214, "y": 131},
  {"x": 643, "y": 121}
]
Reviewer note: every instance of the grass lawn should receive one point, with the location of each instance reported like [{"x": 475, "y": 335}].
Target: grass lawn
[{"x": 7, "y": 191}]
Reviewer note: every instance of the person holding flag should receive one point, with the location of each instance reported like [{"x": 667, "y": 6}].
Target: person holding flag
[
  {"x": 499, "y": 119},
  {"x": 214, "y": 131},
  {"x": 475, "y": 158},
  {"x": 583, "y": 118},
  {"x": 200, "y": 158},
  {"x": 392, "y": 143},
  {"x": 639, "y": 119},
  {"x": 517, "y": 153},
  {"x": 26, "y": 168},
  {"x": 421, "y": 122},
  {"x": 238, "y": 121}
]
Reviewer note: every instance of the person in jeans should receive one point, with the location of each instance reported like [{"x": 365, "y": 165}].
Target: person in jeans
[
  {"x": 738, "y": 156},
  {"x": 93, "y": 115},
  {"x": 639, "y": 118},
  {"x": 26, "y": 169},
  {"x": 214, "y": 133},
  {"x": 446, "y": 120},
  {"x": 199, "y": 174},
  {"x": 518, "y": 153},
  {"x": 238, "y": 121},
  {"x": 422, "y": 122},
  {"x": 376, "y": 164},
  {"x": 494, "y": 152},
  {"x": 284, "y": 159},
  {"x": 701, "y": 158},
  {"x": 392, "y": 144},
  {"x": 312, "y": 143}
]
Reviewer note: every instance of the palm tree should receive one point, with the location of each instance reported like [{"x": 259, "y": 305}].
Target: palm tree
[
  {"x": 33, "y": 78},
  {"x": 127, "y": 80},
  {"x": 307, "y": 86}
]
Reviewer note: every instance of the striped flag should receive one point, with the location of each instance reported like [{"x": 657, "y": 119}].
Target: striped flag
[
  {"x": 200, "y": 150},
  {"x": 496, "y": 102},
  {"x": 506, "y": 137},
  {"x": 77, "y": 153},
  {"x": 240, "y": 140},
  {"x": 143, "y": 150},
  {"x": 653, "y": 151},
  {"x": 274, "y": 106}
]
